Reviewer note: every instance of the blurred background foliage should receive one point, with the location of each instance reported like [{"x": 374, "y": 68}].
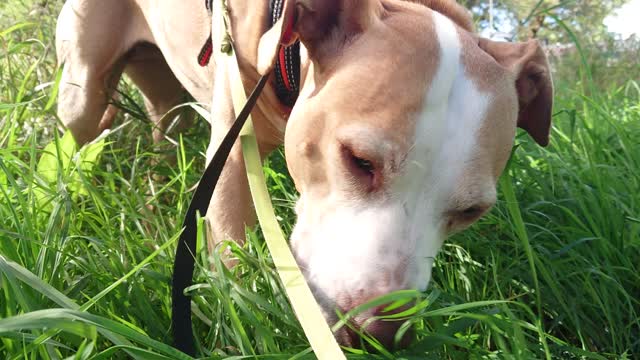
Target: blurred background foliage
[{"x": 561, "y": 25}]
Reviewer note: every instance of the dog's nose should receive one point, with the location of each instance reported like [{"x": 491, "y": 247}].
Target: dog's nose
[{"x": 373, "y": 323}]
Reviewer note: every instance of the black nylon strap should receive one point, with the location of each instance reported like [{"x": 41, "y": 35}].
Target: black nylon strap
[{"x": 184, "y": 264}]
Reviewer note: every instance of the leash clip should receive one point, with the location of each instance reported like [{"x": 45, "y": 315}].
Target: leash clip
[{"x": 226, "y": 45}]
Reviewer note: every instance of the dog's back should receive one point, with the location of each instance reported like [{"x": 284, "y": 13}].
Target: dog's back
[{"x": 99, "y": 41}]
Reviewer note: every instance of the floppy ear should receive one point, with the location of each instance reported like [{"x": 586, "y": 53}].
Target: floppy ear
[
  {"x": 533, "y": 83},
  {"x": 312, "y": 21}
]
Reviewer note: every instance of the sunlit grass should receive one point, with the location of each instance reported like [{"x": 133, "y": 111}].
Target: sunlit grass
[{"x": 87, "y": 238}]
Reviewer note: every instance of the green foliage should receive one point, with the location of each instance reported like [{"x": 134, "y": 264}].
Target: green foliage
[
  {"x": 561, "y": 25},
  {"x": 87, "y": 236},
  {"x": 61, "y": 162},
  {"x": 533, "y": 18}
]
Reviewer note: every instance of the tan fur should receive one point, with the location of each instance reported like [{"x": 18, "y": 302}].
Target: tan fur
[{"x": 452, "y": 10}]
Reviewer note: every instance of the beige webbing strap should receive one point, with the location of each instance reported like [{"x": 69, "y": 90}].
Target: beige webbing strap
[{"x": 304, "y": 304}]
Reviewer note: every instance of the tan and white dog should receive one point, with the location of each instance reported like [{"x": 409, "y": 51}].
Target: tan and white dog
[{"x": 405, "y": 121}]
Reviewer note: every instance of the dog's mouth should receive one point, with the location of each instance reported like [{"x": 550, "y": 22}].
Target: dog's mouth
[
  {"x": 385, "y": 332},
  {"x": 365, "y": 329}
]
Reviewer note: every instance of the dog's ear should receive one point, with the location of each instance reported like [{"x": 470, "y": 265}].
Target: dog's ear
[
  {"x": 280, "y": 34},
  {"x": 313, "y": 22},
  {"x": 533, "y": 83}
]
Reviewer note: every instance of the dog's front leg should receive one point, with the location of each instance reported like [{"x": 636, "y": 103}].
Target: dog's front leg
[{"x": 231, "y": 207}]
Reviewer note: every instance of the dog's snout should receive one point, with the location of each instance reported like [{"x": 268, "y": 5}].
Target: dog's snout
[
  {"x": 379, "y": 322},
  {"x": 385, "y": 332}
]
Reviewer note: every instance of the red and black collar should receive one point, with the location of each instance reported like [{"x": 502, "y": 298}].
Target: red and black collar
[
  {"x": 207, "y": 49},
  {"x": 287, "y": 68}
]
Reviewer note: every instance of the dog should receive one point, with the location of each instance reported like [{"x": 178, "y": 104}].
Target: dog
[{"x": 404, "y": 122}]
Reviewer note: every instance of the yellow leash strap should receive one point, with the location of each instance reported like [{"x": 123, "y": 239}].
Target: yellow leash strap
[{"x": 304, "y": 304}]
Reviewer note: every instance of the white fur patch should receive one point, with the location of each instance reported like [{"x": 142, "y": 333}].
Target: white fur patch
[
  {"x": 345, "y": 257},
  {"x": 445, "y": 136}
]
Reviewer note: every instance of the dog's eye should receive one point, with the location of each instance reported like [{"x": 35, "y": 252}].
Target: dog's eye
[
  {"x": 364, "y": 171},
  {"x": 361, "y": 170},
  {"x": 462, "y": 218},
  {"x": 472, "y": 212},
  {"x": 363, "y": 164}
]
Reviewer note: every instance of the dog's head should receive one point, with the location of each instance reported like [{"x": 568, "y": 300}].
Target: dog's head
[{"x": 405, "y": 121}]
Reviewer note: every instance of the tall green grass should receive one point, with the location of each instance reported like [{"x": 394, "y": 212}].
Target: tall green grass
[{"x": 87, "y": 237}]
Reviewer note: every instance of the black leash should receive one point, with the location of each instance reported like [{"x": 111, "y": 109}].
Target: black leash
[{"x": 184, "y": 264}]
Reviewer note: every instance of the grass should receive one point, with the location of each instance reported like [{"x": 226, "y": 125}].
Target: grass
[{"x": 552, "y": 272}]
